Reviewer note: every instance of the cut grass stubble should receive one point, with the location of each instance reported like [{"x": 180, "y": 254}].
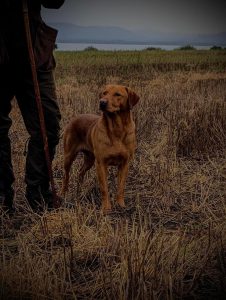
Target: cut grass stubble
[{"x": 170, "y": 242}]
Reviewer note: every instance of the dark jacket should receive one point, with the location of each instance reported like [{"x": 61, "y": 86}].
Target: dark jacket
[{"x": 13, "y": 48}]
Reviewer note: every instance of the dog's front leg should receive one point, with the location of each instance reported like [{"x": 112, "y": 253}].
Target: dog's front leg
[
  {"x": 101, "y": 169},
  {"x": 122, "y": 175}
]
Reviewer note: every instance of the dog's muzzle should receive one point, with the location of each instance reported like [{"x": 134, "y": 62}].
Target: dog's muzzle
[{"x": 103, "y": 104}]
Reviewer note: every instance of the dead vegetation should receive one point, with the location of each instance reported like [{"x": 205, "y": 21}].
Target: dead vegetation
[{"x": 170, "y": 242}]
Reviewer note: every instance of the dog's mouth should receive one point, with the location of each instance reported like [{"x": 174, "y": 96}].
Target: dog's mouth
[
  {"x": 110, "y": 112},
  {"x": 106, "y": 108}
]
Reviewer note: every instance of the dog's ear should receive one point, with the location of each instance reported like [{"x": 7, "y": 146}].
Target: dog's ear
[{"x": 133, "y": 98}]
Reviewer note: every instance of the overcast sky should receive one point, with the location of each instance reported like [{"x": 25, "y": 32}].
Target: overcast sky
[{"x": 180, "y": 16}]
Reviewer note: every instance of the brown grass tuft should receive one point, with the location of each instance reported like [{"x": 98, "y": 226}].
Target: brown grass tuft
[{"x": 170, "y": 242}]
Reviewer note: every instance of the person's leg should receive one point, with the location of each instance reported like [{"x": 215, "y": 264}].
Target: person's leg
[
  {"x": 36, "y": 177},
  {"x": 6, "y": 169}
]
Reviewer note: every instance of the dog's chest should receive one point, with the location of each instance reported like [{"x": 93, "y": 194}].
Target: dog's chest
[
  {"x": 115, "y": 149},
  {"x": 116, "y": 152}
]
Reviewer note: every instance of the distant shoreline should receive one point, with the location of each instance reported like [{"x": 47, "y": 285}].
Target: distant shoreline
[
  {"x": 120, "y": 42},
  {"x": 120, "y": 46}
]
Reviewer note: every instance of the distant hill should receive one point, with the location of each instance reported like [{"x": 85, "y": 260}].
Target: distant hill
[
  {"x": 74, "y": 33},
  {"x": 216, "y": 39},
  {"x": 71, "y": 33}
]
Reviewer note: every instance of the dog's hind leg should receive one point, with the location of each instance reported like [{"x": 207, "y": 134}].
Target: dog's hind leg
[
  {"x": 68, "y": 160},
  {"x": 88, "y": 162}
]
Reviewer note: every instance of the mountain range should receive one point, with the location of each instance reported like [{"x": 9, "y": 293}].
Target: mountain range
[{"x": 71, "y": 33}]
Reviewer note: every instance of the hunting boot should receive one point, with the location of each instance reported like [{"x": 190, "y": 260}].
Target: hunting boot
[
  {"x": 6, "y": 200},
  {"x": 41, "y": 198},
  {"x": 34, "y": 198},
  {"x": 48, "y": 196}
]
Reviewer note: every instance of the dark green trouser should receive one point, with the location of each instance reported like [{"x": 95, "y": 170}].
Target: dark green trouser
[{"x": 17, "y": 82}]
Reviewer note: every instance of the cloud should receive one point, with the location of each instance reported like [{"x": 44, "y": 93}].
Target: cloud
[{"x": 193, "y": 16}]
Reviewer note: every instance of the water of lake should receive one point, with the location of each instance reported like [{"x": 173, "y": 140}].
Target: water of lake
[{"x": 112, "y": 47}]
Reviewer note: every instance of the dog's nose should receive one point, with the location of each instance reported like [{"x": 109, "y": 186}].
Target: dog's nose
[{"x": 103, "y": 104}]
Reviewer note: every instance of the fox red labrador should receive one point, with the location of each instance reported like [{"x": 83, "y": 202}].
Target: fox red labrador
[{"x": 105, "y": 140}]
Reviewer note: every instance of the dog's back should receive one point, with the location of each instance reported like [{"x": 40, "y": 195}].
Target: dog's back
[{"x": 77, "y": 136}]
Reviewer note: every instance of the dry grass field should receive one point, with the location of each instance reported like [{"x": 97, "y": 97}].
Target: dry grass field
[{"x": 170, "y": 242}]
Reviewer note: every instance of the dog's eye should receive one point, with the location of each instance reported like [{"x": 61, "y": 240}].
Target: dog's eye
[
  {"x": 105, "y": 93},
  {"x": 117, "y": 94}
]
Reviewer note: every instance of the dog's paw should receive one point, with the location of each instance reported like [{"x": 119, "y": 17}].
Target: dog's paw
[
  {"x": 121, "y": 202},
  {"x": 106, "y": 208}
]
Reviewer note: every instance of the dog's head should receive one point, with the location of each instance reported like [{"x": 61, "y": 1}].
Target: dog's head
[{"x": 115, "y": 98}]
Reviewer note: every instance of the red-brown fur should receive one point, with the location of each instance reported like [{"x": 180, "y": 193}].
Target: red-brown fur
[{"x": 105, "y": 140}]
